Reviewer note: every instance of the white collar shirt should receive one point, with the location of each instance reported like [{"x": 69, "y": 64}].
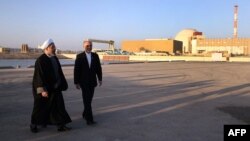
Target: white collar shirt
[{"x": 88, "y": 55}]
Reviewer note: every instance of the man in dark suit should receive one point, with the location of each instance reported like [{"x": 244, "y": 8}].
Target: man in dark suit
[{"x": 86, "y": 71}]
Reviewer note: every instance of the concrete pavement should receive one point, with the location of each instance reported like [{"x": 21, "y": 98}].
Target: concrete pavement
[{"x": 168, "y": 101}]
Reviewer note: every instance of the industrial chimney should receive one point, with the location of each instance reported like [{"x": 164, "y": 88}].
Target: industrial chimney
[{"x": 236, "y": 21}]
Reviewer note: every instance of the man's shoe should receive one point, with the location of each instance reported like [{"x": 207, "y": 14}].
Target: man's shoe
[
  {"x": 63, "y": 128},
  {"x": 33, "y": 128},
  {"x": 91, "y": 122}
]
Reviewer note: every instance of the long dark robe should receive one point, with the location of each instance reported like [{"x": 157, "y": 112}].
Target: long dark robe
[{"x": 49, "y": 110}]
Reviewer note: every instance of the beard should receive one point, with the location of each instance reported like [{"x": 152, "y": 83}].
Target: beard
[{"x": 54, "y": 52}]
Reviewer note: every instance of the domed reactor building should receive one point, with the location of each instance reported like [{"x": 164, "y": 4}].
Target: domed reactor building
[
  {"x": 186, "y": 36},
  {"x": 193, "y": 42}
]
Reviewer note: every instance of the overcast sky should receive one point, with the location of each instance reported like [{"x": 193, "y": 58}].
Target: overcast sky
[{"x": 68, "y": 22}]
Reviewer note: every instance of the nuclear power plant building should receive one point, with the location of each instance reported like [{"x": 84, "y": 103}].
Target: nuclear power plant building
[{"x": 194, "y": 42}]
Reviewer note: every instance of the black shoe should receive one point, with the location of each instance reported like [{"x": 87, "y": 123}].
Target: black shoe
[
  {"x": 63, "y": 128},
  {"x": 91, "y": 122},
  {"x": 33, "y": 128}
]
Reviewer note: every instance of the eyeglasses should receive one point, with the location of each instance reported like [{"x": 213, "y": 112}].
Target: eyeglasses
[{"x": 88, "y": 46}]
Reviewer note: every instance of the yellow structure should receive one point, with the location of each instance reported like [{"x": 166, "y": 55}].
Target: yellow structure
[{"x": 153, "y": 45}]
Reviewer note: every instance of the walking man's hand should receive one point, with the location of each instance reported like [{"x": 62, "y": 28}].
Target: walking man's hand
[{"x": 45, "y": 94}]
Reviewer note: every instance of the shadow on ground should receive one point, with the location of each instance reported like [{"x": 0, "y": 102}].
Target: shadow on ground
[{"x": 240, "y": 113}]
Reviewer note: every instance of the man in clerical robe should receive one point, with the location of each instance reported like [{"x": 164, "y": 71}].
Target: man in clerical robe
[{"x": 48, "y": 84}]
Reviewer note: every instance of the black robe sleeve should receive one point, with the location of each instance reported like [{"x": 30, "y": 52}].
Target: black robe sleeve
[
  {"x": 44, "y": 76},
  {"x": 38, "y": 77}
]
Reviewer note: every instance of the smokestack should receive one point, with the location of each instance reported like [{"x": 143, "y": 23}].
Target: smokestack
[{"x": 236, "y": 21}]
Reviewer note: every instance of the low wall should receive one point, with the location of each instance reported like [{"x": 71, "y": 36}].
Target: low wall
[
  {"x": 119, "y": 58},
  {"x": 173, "y": 58},
  {"x": 239, "y": 59}
]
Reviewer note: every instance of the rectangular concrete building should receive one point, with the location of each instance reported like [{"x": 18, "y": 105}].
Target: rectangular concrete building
[
  {"x": 153, "y": 45},
  {"x": 238, "y": 46}
]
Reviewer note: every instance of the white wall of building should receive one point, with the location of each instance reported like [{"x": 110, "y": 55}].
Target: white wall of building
[{"x": 229, "y": 49}]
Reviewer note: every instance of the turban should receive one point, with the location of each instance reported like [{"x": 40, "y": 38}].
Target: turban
[{"x": 46, "y": 44}]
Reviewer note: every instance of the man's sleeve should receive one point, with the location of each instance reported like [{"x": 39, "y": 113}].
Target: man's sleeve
[
  {"x": 39, "y": 83},
  {"x": 77, "y": 70},
  {"x": 99, "y": 68}
]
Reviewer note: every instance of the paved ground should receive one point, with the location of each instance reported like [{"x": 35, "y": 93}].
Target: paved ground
[{"x": 171, "y": 101}]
